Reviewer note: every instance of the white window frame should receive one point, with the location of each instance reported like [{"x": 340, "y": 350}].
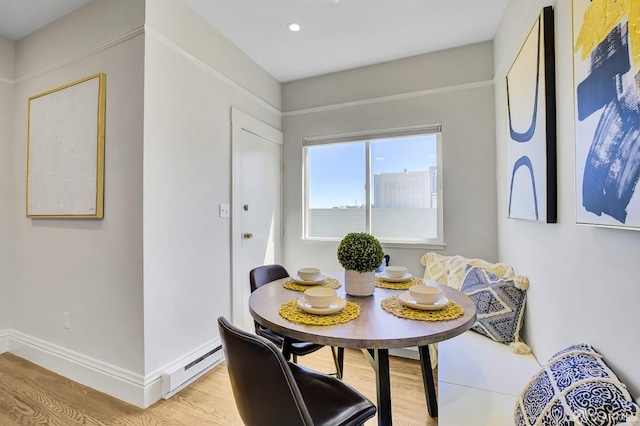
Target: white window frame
[{"x": 368, "y": 136}]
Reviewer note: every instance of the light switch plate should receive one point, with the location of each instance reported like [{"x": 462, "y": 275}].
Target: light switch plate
[{"x": 225, "y": 210}]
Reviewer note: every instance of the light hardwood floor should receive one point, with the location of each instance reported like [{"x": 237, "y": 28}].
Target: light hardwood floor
[{"x": 31, "y": 395}]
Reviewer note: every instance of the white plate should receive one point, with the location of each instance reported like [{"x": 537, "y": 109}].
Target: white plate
[
  {"x": 317, "y": 281},
  {"x": 403, "y": 279},
  {"x": 409, "y": 302},
  {"x": 333, "y": 308}
]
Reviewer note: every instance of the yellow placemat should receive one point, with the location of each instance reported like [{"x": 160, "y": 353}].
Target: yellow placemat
[
  {"x": 292, "y": 312},
  {"x": 399, "y": 286},
  {"x": 328, "y": 282},
  {"x": 393, "y": 305}
]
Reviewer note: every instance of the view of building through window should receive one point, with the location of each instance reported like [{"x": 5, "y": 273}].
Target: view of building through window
[{"x": 403, "y": 184}]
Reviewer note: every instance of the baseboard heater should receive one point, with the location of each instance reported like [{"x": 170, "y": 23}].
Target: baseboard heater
[{"x": 177, "y": 379}]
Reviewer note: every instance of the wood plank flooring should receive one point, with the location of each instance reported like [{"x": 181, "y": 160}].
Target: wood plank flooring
[{"x": 31, "y": 395}]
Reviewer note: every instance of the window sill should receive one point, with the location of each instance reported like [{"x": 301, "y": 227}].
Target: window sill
[
  {"x": 384, "y": 244},
  {"x": 407, "y": 245}
]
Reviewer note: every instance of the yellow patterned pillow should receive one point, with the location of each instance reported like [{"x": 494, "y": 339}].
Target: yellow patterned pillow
[
  {"x": 456, "y": 263},
  {"x": 435, "y": 267},
  {"x": 457, "y": 270},
  {"x": 449, "y": 270}
]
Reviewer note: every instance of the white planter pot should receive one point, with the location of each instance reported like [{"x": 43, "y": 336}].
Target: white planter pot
[{"x": 359, "y": 283}]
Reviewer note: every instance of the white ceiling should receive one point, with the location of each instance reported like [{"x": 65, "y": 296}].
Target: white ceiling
[
  {"x": 336, "y": 34},
  {"x": 19, "y": 18}
]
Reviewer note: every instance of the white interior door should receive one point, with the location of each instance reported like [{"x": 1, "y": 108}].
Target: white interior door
[
  {"x": 256, "y": 205},
  {"x": 260, "y": 195}
]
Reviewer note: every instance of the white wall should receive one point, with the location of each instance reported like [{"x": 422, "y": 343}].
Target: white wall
[
  {"x": 89, "y": 268},
  {"x": 143, "y": 288},
  {"x": 7, "y": 54},
  {"x": 193, "y": 77},
  {"x": 453, "y": 87},
  {"x": 584, "y": 280}
]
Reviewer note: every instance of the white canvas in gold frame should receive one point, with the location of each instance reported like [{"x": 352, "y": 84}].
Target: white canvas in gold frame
[{"x": 65, "y": 150}]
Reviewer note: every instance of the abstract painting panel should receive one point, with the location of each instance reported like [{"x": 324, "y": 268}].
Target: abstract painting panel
[
  {"x": 606, "y": 62},
  {"x": 531, "y": 141}
]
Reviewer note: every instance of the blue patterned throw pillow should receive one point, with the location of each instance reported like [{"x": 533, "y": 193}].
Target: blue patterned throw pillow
[
  {"x": 499, "y": 305},
  {"x": 575, "y": 387}
]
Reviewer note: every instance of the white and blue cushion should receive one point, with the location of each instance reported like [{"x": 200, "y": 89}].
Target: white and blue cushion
[
  {"x": 499, "y": 304},
  {"x": 575, "y": 387}
]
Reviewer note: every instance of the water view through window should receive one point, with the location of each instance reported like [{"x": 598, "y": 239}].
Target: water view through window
[{"x": 403, "y": 183}]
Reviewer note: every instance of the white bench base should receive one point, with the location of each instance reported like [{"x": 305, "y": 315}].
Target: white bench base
[{"x": 479, "y": 381}]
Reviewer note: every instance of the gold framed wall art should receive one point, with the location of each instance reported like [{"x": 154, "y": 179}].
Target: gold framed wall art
[{"x": 65, "y": 150}]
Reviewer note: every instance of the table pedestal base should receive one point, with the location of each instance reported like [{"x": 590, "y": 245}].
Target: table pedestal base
[
  {"x": 427, "y": 380},
  {"x": 379, "y": 360}
]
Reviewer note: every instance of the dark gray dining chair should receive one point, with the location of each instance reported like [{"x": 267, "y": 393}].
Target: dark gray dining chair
[
  {"x": 290, "y": 348},
  {"x": 270, "y": 391}
]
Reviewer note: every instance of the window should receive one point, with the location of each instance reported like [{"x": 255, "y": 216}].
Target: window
[{"x": 384, "y": 182}]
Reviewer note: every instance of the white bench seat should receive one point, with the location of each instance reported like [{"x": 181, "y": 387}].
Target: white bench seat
[{"x": 479, "y": 381}]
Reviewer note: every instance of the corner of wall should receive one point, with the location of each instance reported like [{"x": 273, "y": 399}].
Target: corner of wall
[
  {"x": 7, "y": 64},
  {"x": 7, "y": 73},
  {"x": 4, "y": 341}
]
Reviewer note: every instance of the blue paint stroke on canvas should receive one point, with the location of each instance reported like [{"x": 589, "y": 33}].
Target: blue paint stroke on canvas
[
  {"x": 608, "y": 61},
  {"x": 612, "y": 168},
  {"x": 524, "y": 161},
  {"x": 528, "y": 134}
]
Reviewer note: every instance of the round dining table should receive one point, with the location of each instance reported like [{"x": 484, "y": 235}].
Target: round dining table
[{"x": 374, "y": 331}]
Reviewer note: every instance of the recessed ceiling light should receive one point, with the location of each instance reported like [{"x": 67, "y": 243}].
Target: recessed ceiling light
[{"x": 294, "y": 26}]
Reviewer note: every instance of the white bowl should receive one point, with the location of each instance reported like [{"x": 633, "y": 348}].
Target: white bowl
[
  {"x": 309, "y": 274},
  {"x": 425, "y": 294},
  {"x": 320, "y": 297},
  {"x": 395, "y": 271}
]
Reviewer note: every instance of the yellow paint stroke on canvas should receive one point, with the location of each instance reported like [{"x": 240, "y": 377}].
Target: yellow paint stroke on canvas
[{"x": 601, "y": 17}]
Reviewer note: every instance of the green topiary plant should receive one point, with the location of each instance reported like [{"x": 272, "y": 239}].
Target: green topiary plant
[{"x": 359, "y": 251}]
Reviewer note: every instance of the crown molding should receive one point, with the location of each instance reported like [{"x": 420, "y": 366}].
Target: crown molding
[
  {"x": 401, "y": 96},
  {"x": 82, "y": 55}
]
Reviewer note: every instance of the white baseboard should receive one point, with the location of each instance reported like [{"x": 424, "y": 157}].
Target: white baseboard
[
  {"x": 133, "y": 388},
  {"x": 110, "y": 379},
  {"x": 4, "y": 341}
]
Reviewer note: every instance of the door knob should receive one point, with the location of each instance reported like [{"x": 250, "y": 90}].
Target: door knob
[{"x": 247, "y": 236}]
